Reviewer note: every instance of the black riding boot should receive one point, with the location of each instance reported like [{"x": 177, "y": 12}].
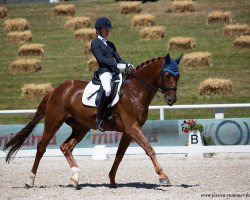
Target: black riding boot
[{"x": 100, "y": 112}]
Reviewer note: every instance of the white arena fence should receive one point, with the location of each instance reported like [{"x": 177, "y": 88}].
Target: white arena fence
[
  {"x": 219, "y": 114},
  {"x": 218, "y": 109}
]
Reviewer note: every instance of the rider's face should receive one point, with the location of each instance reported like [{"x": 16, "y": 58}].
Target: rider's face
[{"x": 105, "y": 32}]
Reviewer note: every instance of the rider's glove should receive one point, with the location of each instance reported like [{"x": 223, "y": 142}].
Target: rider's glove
[
  {"x": 121, "y": 67},
  {"x": 129, "y": 69}
]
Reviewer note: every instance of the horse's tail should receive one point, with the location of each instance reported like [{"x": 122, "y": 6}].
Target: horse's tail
[{"x": 16, "y": 142}]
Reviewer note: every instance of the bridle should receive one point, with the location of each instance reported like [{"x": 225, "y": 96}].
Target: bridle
[{"x": 153, "y": 88}]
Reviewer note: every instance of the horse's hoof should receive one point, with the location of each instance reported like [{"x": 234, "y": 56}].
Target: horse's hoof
[
  {"x": 113, "y": 186},
  {"x": 74, "y": 182},
  {"x": 164, "y": 181},
  {"x": 27, "y": 185}
]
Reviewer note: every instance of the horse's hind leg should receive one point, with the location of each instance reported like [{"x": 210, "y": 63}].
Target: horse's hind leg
[
  {"x": 53, "y": 121},
  {"x": 78, "y": 132},
  {"x": 124, "y": 143}
]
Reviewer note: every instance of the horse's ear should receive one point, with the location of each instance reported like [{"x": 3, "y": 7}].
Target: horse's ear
[
  {"x": 167, "y": 59},
  {"x": 179, "y": 59}
]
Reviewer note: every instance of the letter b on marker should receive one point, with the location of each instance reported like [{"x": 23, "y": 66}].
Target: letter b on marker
[{"x": 194, "y": 139}]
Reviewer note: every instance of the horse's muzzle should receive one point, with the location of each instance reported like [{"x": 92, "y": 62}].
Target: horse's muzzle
[{"x": 169, "y": 100}]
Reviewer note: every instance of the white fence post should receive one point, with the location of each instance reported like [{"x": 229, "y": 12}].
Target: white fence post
[
  {"x": 162, "y": 114},
  {"x": 219, "y": 113}
]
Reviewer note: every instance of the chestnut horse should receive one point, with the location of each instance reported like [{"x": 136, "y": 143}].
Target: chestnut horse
[{"x": 64, "y": 104}]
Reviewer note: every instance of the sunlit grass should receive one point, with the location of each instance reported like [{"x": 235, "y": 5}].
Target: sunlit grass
[{"x": 64, "y": 58}]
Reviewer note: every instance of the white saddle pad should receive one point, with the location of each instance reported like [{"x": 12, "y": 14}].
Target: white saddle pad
[{"x": 91, "y": 88}]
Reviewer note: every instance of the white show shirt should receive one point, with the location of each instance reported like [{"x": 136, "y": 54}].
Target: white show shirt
[{"x": 103, "y": 40}]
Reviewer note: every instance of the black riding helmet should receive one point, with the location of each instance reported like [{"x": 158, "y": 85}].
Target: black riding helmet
[{"x": 102, "y": 22}]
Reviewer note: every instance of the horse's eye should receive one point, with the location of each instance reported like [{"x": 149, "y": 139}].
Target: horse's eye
[{"x": 167, "y": 77}]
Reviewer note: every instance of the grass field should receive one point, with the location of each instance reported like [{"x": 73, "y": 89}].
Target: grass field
[{"x": 64, "y": 58}]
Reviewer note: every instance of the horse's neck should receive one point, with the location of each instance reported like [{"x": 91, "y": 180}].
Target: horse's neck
[{"x": 147, "y": 74}]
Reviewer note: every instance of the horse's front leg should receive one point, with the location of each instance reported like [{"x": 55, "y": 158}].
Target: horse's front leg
[{"x": 137, "y": 135}]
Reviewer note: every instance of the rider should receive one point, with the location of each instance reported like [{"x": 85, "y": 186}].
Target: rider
[{"x": 110, "y": 64}]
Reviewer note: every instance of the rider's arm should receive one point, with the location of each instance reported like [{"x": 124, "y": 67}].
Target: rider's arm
[
  {"x": 105, "y": 61},
  {"x": 116, "y": 55}
]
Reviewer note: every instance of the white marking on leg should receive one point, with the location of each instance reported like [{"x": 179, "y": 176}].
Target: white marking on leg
[
  {"x": 75, "y": 178},
  {"x": 31, "y": 181}
]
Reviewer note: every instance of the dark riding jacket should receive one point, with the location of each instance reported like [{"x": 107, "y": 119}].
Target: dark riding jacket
[{"x": 107, "y": 57}]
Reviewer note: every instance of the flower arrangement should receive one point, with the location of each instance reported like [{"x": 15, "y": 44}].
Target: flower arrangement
[{"x": 191, "y": 125}]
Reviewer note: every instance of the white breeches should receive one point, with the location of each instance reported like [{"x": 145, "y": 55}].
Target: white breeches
[{"x": 106, "y": 80}]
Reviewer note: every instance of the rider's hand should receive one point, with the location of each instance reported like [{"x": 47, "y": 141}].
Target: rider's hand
[
  {"x": 121, "y": 67},
  {"x": 129, "y": 69}
]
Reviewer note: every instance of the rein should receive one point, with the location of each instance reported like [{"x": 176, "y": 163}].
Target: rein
[{"x": 154, "y": 89}]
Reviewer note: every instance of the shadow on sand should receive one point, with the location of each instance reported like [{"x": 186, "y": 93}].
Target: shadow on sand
[{"x": 139, "y": 185}]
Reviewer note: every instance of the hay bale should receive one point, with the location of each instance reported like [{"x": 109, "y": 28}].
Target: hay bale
[
  {"x": 3, "y": 12},
  {"x": 215, "y": 86},
  {"x": 242, "y": 42},
  {"x": 92, "y": 64},
  {"x": 181, "y": 43},
  {"x": 85, "y": 34},
  {"x": 36, "y": 90},
  {"x": 77, "y": 23},
  {"x": 65, "y": 10},
  {"x": 183, "y": 6},
  {"x": 22, "y": 66},
  {"x": 87, "y": 48},
  {"x": 31, "y": 50},
  {"x": 18, "y": 24},
  {"x": 19, "y": 37},
  {"x": 220, "y": 17},
  {"x": 153, "y": 32},
  {"x": 236, "y": 30},
  {"x": 197, "y": 60},
  {"x": 143, "y": 20},
  {"x": 130, "y": 7}
]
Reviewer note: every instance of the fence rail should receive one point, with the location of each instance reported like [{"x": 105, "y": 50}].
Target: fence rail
[{"x": 218, "y": 109}]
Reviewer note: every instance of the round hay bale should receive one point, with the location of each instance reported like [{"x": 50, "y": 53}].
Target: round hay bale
[
  {"x": 183, "y": 6},
  {"x": 236, "y": 30},
  {"x": 65, "y": 10},
  {"x": 143, "y": 20},
  {"x": 242, "y": 42},
  {"x": 22, "y": 66},
  {"x": 18, "y": 24},
  {"x": 19, "y": 37},
  {"x": 215, "y": 86},
  {"x": 36, "y": 90},
  {"x": 85, "y": 34},
  {"x": 220, "y": 17},
  {"x": 196, "y": 60},
  {"x": 77, "y": 23},
  {"x": 153, "y": 32},
  {"x": 181, "y": 43},
  {"x": 92, "y": 64},
  {"x": 31, "y": 50},
  {"x": 87, "y": 48},
  {"x": 3, "y": 12},
  {"x": 130, "y": 7}
]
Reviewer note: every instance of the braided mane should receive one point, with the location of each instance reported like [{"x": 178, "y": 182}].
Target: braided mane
[{"x": 147, "y": 62}]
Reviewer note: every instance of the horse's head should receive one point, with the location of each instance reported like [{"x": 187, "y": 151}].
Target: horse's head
[{"x": 168, "y": 79}]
